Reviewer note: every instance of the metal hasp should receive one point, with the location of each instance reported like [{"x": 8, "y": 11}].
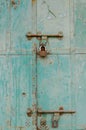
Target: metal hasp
[
  {"x": 55, "y": 120},
  {"x": 39, "y": 36},
  {"x": 56, "y": 115},
  {"x": 43, "y": 124}
]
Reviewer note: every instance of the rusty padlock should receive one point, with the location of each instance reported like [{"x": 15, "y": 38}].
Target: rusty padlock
[{"x": 42, "y": 52}]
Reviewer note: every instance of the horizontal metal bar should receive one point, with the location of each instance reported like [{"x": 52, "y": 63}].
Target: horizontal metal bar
[
  {"x": 40, "y": 35},
  {"x": 59, "y": 111},
  {"x": 30, "y": 36}
]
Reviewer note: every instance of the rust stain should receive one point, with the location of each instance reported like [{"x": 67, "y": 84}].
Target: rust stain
[
  {"x": 38, "y": 128},
  {"x": 61, "y": 108},
  {"x": 9, "y": 123},
  {"x": 24, "y": 94},
  {"x": 21, "y": 128},
  {"x": 14, "y": 4},
  {"x": 34, "y": 1}
]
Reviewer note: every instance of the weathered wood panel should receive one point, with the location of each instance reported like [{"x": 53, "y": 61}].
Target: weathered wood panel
[
  {"x": 4, "y": 25},
  {"x": 79, "y": 26},
  {"x": 54, "y": 87},
  {"x": 29, "y": 81},
  {"x": 21, "y": 23},
  {"x": 53, "y": 17},
  {"x": 15, "y": 91}
]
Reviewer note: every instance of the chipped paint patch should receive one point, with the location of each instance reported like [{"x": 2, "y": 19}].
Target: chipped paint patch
[
  {"x": 34, "y": 1},
  {"x": 15, "y": 4}
]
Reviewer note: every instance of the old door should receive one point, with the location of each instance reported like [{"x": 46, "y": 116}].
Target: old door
[
  {"x": 15, "y": 64},
  {"x": 55, "y": 89},
  {"x": 42, "y": 93}
]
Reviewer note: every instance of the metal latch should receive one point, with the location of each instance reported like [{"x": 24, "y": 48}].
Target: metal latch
[
  {"x": 39, "y": 36},
  {"x": 55, "y": 118},
  {"x": 56, "y": 115},
  {"x": 61, "y": 111}
]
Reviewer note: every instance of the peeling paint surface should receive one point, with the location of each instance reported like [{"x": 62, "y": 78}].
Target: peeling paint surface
[
  {"x": 53, "y": 17},
  {"x": 28, "y": 81},
  {"x": 54, "y": 87}
]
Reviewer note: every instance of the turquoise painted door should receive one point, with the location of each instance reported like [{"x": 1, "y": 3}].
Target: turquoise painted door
[
  {"x": 28, "y": 81},
  {"x": 15, "y": 65}
]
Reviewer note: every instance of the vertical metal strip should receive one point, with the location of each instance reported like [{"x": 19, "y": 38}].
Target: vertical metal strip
[{"x": 34, "y": 68}]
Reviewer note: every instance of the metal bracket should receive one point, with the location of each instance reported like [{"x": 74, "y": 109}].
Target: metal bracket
[
  {"x": 29, "y": 112},
  {"x": 55, "y": 120},
  {"x": 43, "y": 124},
  {"x": 40, "y": 36}
]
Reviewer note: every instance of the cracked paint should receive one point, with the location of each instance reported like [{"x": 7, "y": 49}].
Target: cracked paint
[{"x": 49, "y": 10}]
